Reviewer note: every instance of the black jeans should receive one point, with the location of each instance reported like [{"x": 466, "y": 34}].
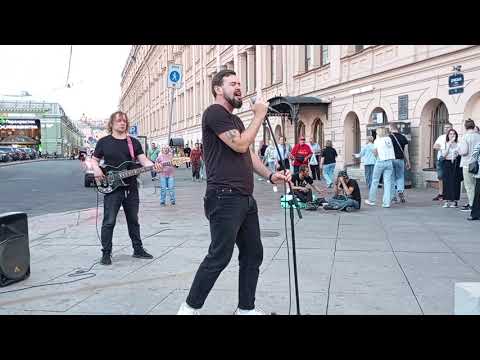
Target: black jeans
[
  {"x": 281, "y": 164},
  {"x": 233, "y": 220},
  {"x": 128, "y": 197},
  {"x": 304, "y": 197},
  {"x": 475, "y": 213},
  {"x": 315, "y": 172}
]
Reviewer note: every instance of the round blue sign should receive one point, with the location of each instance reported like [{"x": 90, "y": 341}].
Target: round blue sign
[{"x": 174, "y": 76}]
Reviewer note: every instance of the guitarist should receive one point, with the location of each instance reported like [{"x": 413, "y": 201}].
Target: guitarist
[{"x": 115, "y": 149}]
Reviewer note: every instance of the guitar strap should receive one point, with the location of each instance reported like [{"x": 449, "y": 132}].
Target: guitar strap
[{"x": 130, "y": 147}]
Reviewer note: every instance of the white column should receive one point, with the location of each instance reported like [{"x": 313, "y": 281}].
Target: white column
[
  {"x": 334, "y": 54},
  {"x": 260, "y": 69},
  {"x": 285, "y": 68},
  {"x": 235, "y": 58},
  {"x": 251, "y": 70},
  {"x": 194, "y": 102}
]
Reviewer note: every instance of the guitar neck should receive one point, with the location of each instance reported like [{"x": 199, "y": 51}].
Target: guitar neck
[{"x": 134, "y": 172}]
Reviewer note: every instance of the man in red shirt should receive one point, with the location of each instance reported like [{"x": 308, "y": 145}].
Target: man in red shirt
[{"x": 300, "y": 155}]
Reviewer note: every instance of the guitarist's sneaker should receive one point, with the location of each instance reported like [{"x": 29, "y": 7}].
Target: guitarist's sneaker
[
  {"x": 142, "y": 254},
  {"x": 106, "y": 259}
]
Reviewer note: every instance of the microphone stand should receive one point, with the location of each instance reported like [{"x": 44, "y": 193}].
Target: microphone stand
[{"x": 293, "y": 202}]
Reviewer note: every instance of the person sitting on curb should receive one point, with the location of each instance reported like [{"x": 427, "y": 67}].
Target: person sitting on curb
[
  {"x": 303, "y": 186},
  {"x": 347, "y": 194}
]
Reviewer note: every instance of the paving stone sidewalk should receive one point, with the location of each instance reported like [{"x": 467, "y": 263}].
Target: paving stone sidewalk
[{"x": 402, "y": 260}]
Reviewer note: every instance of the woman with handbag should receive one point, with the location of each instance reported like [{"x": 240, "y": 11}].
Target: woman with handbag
[
  {"x": 452, "y": 173},
  {"x": 475, "y": 213}
]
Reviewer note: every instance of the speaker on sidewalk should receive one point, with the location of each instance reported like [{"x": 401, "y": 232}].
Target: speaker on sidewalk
[{"x": 14, "y": 248}]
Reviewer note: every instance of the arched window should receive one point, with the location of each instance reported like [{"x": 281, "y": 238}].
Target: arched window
[
  {"x": 439, "y": 120},
  {"x": 318, "y": 132},
  {"x": 378, "y": 116},
  {"x": 301, "y": 129}
]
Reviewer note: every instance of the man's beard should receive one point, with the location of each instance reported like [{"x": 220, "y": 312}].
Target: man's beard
[{"x": 237, "y": 104}]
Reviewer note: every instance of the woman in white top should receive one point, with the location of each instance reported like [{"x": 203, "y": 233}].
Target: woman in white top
[
  {"x": 270, "y": 158},
  {"x": 452, "y": 173},
  {"x": 385, "y": 153}
]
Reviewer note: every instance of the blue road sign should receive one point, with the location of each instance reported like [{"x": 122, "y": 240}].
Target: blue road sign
[
  {"x": 174, "y": 79},
  {"x": 133, "y": 130}
]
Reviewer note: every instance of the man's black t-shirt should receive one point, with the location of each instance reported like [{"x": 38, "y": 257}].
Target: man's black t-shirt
[
  {"x": 355, "y": 195},
  {"x": 301, "y": 182},
  {"x": 115, "y": 151},
  {"x": 224, "y": 166},
  {"x": 329, "y": 153},
  {"x": 187, "y": 151},
  {"x": 402, "y": 140}
]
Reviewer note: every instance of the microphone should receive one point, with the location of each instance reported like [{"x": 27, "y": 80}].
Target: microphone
[{"x": 254, "y": 99}]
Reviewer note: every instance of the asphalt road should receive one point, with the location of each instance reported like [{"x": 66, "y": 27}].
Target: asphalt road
[{"x": 44, "y": 187}]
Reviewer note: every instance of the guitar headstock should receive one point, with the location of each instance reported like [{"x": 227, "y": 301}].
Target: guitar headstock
[{"x": 177, "y": 161}]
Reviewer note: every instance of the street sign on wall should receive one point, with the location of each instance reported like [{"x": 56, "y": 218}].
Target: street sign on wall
[
  {"x": 174, "y": 76},
  {"x": 455, "y": 91},
  {"x": 133, "y": 130},
  {"x": 455, "y": 80},
  {"x": 403, "y": 107},
  {"x": 455, "y": 83}
]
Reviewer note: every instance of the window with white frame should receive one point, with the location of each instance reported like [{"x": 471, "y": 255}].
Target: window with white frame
[
  {"x": 308, "y": 57},
  {"x": 324, "y": 54}
]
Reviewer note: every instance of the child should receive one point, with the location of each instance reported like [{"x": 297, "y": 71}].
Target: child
[{"x": 167, "y": 179}]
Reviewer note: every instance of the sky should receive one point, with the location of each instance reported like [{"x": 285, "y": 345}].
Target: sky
[{"x": 95, "y": 75}]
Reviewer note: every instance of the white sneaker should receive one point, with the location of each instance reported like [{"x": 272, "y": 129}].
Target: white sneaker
[
  {"x": 249, "y": 312},
  {"x": 368, "y": 202},
  {"x": 446, "y": 205},
  {"x": 185, "y": 309}
]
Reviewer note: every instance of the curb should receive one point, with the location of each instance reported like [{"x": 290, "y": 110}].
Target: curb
[{"x": 28, "y": 161}]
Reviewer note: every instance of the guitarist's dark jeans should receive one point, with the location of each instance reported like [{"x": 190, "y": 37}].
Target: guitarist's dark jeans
[
  {"x": 233, "y": 220},
  {"x": 128, "y": 197}
]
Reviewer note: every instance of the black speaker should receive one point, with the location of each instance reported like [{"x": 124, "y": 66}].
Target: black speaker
[{"x": 14, "y": 248}]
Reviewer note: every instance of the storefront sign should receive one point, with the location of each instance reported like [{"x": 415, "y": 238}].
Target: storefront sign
[{"x": 16, "y": 124}]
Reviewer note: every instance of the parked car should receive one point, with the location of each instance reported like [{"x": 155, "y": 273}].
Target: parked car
[
  {"x": 5, "y": 155},
  {"x": 31, "y": 153},
  {"x": 14, "y": 155},
  {"x": 23, "y": 154}
]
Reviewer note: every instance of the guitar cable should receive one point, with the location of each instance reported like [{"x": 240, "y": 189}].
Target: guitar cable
[{"x": 76, "y": 272}]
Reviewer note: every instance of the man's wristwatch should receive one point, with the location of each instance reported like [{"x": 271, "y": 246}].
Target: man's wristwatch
[{"x": 270, "y": 178}]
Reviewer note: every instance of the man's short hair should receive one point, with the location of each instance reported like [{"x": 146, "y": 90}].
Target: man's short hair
[
  {"x": 218, "y": 79},
  {"x": 469, "y": 124},
  {"x": 393, "y": 127},
  {"x": 303, "y": 168}
]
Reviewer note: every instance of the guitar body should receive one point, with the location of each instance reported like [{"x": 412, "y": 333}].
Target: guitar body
[{"x": 113, "y": 177}]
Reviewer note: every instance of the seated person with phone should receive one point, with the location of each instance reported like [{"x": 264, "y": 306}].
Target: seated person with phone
[{"x": 347, "y": 194}]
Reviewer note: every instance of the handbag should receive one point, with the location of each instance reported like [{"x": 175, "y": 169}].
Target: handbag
[{"x": 473, "y": 167}]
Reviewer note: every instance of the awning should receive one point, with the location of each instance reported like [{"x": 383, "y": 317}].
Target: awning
[
  {"x": 290, "y": 106},
  {"x": 19, "y": 140}
]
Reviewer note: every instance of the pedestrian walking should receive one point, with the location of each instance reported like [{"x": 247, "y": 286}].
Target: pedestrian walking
[
  {"x": 167, "y": 176},
  {"x": 328, "y": 162},
  {"x": 195, "y": 158},
  {"x": 439, "y": 144},
  {"x": 368, "y": 157},
  {"x": 315, "y": 159},
  {"x": 383, "y": 166},
  {"x": 470, "y": 139},
  {"x": 400, "y": 163},
  {"x": 300, "y": 154}
]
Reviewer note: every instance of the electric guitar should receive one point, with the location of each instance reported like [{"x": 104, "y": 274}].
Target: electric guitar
[{"x": 114, "y": 175}]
